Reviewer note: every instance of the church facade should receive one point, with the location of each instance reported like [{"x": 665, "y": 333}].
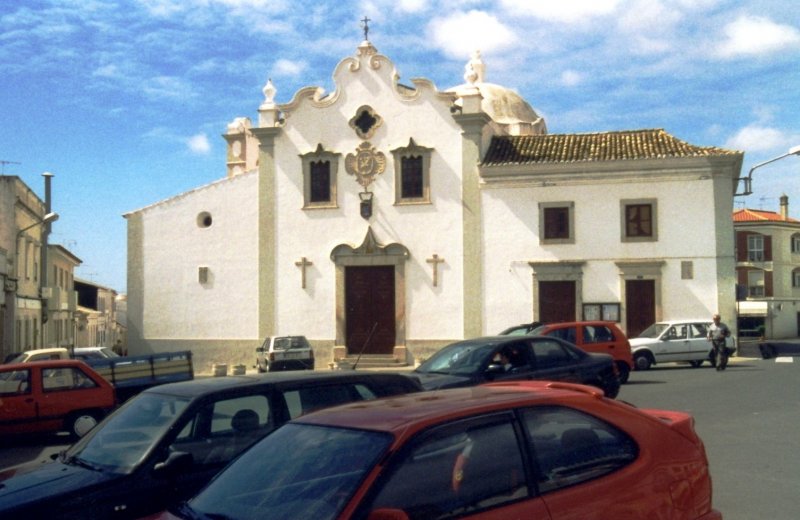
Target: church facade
[{"x": 391, "y": 219}]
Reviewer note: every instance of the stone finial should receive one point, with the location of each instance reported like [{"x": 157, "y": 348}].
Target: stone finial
[
  {"x": 239, "y": 125},
  {"x": 269, "y": 93},
  {"x": 474, "y": 69}
]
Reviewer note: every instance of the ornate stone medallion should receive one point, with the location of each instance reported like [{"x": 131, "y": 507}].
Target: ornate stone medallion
[{"x": 365, "y": 164}]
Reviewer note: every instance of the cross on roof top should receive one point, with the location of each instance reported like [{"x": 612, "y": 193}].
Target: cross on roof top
[{"x": 365, "y": 23}]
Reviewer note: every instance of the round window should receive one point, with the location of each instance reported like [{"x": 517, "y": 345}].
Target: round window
[{"x": 204, "y": 219}]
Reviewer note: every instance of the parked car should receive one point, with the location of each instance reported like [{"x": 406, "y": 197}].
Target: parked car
[
  {"x": 130, "y": 374},
  {"x": 284, "y": 353},
  {"x": 52, "y": 396},
  {"x": 475, "y": 361},
  {"x": 163, "y": 445},
  {"x": 674, "y": 341},
  {"x": 513, "y": 450},
  {"x": 594, "y": 336},
  {"x": 521, "y": 330},
  {"x": 94, "y": 353}
]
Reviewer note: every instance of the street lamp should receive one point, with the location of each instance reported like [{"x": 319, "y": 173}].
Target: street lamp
[
  {"x": 50, "y": 217},
  {"x": 748, "y": 181}
]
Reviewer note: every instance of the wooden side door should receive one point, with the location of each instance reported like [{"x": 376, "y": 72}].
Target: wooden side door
[
  {"x": 640, "y": 305},
  {"x": 556, "y": 301}
]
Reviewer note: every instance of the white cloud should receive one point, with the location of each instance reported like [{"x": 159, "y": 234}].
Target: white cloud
[
  {"x": 571, "y": 78},
  {"x": 563, "y": 11},
  {"x": 285, "y": 67},
  {"x": 199, "y": 144},
  {"x": 756, "y": 138},
  {"x": 754, "y": 35},
  {"x": 459, "y": 34}
]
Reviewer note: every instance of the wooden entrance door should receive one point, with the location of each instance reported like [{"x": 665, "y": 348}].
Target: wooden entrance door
[
  {"x": 556, "y": 301},
  {"x": 369, "y": 302},
  {"x": 640, "y": 305}
]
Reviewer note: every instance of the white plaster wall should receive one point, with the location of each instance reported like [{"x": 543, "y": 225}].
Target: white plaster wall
[
  {"x": 686, "y": 227},
  {"x": 431, "y": 312},
  {"x": 176, "y": 305}
]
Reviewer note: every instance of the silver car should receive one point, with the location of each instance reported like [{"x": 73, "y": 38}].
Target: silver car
[{"x": 674, "y": 341}]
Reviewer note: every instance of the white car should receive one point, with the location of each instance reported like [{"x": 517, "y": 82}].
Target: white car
[
  {"x": 284, "y": 353},
  {"x": 674, "y": 341}
]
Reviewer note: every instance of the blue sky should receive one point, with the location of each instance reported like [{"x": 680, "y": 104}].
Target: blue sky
[{"x": 125, "y": 101}]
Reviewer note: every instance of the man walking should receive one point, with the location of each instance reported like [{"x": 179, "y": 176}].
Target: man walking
[{"x": 717, "y": 333}]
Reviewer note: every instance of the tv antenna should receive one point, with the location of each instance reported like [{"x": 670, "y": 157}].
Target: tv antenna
[{"x": 3, "y": 165}]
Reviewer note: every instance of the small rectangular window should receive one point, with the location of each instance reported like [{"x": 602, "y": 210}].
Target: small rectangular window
[
  {"x": 320, "y": 181},
  {"x": 687, "y": 270},
  {"x": 755, "y": 248},
  {"x": 639, "y": 220},
  {"x": 202, "y": 274},
  {"x": 556, "y": 223},
  {"x": 412, "y": 183}
]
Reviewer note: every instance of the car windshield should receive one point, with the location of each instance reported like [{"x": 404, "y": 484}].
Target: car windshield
[
  {"x": 654, "y": 330},
  {"x": 537, "y": 331},
  {"x": 289, "y": 343},
  {"x": 458, "y": 358},
  {"x": 121, "y": 442},
  {"x": 300, "y": 471}
]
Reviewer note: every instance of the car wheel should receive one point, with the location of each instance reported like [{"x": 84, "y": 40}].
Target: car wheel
[
  {"x": 78, "y": 424},
  {"x": 609, "y": 386},
  {"x": 624, "y": 371},
  {"x": 642, "y": 360},
  {"x": 696, "y": 364},
  {"x": 261, "y": 369}
]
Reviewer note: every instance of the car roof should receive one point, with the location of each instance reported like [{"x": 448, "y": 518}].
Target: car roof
[
  {"x": 675, "y": 322},
  {"x": 208, "y": 385},
  {"x": 49, "y": 362},
  {"x": 582, "y": 322},
  {"x": 411, "y": 411}
]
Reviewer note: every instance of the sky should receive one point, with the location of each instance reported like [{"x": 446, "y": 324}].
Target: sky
[{"x": 125, "y": 101}]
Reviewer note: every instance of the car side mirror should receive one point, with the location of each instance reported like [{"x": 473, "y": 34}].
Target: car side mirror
[
  {"x": 177, "y": 462},
  {"x": 495, "y": 368}
]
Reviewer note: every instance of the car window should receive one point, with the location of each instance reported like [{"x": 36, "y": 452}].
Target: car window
[
  {"x": 698, "y": 330},
  {"x": 676, "y": 332},
  {"x": 571, "y": 447},
  {"x": 305, "y": 400},
  {"x": 597, "y": 334},
  {"x": 15, "y": 382},
  {"x": 566, "y": 333},
  {"x": 223, "y": 429},
  {"x": 70, "y": 378},
  {"x": 456, "y": 470},
  {"x": 550, "y": 354}
]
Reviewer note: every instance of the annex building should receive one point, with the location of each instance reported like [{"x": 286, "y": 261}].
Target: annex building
[{"x": 393, "y": 218}]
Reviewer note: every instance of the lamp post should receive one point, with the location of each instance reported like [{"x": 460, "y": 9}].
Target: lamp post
[
  {"x": 9, "y": 337},
  {"x": 748, "y": 181}
]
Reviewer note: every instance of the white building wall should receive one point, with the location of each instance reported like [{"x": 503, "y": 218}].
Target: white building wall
[
  {"x": 686, "y": 232},
  {"x": 176, "y": 304}
]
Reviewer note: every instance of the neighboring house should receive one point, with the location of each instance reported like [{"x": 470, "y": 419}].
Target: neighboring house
[
  {"x": 62, "y": 301},
  {"x": 384, "y": 218},
  {"x": 768, "y": 272},
  {"x": 97, "y": 318},
  {"x": 21, "y": 239}
]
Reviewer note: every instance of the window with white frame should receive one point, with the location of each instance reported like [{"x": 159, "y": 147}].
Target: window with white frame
[
  {"x": 755, "y": 284},
  {"x": 796, "y": 278},
  {"x": 755, "y": 248},
  {"x": 796, "y": 243}
]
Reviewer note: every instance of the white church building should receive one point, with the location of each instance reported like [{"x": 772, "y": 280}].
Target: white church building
[{"x": 389, "y": 219}]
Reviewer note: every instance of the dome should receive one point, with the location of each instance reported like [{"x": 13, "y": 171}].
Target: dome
[{"x": 503, "y": 105}]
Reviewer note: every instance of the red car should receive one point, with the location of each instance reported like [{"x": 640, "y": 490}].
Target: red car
[
  {"x": 51, "y": 396},
  {"x": 594, "y": 336},
  {"x": 523, "y": 449}
]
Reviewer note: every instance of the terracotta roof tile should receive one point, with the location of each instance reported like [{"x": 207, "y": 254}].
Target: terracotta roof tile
[
  {"x": 757, "y": 215},
  {"x": 606, "y": 146}
]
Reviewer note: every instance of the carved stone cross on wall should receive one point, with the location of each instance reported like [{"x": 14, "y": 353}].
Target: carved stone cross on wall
[
  {"x": 302, "y": 264},
  {"x": 435, "y": 260}
]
